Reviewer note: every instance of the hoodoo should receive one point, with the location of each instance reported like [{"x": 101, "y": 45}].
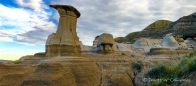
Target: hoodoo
[{"x": 65, "y": 41}]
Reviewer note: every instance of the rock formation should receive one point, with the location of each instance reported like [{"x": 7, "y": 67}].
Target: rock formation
[
  {"x": 184, "y": 26},
  {"x": 124, "y": 47},
  {"x": 182, "y": 43},
  {"x": 106, "y": 44},
  {"x": 169, "y": 42},
  {"x": 161, "y": 51},
  {"x": 95, "y": 41},
  {"x": 145, "y": 43},
  {"x": 65, "y": 41}
]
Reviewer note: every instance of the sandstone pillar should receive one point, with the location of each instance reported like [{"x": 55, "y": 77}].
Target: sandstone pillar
[{"x": 65, "y": 41}]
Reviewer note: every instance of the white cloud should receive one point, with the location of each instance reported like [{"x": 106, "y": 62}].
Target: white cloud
[
  {"x": 36, "y": 5},
  {"x": 122, "y": 17},
  {"x": 23, "y": 25},
  {"x": 99, "y": 16}
]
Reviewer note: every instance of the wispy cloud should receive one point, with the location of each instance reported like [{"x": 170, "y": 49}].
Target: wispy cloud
[
  {"x": 24, "y": 25},
  {"x": 32, "y": 23}
]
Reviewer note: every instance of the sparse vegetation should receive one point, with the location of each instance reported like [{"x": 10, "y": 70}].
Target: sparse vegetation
[
  {"x": 138, "y": 65},
  {"x": 160, "y": 24},
  {"x": 17, "y": 62},
  {"x": 120, "y": 39},
  {"x": 132, "y": 55},
  {"x": 186, "y": 64},
  {"x": 128, "y": 38}
]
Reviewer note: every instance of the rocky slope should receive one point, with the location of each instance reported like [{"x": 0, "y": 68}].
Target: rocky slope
[
  {"x": 154, "y": 29},
  {"x": 151, "y": 30},
  {"x": 184, "y": 26}
]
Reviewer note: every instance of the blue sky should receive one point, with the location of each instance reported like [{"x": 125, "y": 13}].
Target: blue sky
[{"x": 26, "y": 24}]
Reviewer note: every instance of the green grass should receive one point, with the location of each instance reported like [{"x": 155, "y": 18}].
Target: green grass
[
  {"x": 160, "y": 24},
  {"x": 130, "y": 37},
  {"x": 120, "y": 39},
  {"x": 186, "y": 64}
]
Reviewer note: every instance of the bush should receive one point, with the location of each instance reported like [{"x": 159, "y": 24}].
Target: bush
[
  {"x": 158, "y": 84},
  {"x": 138, "y": 65},
  {"x": 186, "y": 64},
  {"x": 132, "y": 55},
  {"x": 158, "y": 71}
]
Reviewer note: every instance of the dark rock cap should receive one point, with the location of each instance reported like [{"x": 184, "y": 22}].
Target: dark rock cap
[{"x": 66, "y": 7}]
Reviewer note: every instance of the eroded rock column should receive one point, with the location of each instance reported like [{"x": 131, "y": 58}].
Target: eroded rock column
[{"x": 65, "y": 41}]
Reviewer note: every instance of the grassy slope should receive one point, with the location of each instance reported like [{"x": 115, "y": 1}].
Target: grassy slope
[
  {"x": 160, "y": 24},
  {"x": 120, "y": 39},
  {"x": 127, "y": 38},
  {"x": 130, "y": 37}
]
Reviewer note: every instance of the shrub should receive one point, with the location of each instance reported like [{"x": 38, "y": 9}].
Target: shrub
[
  {"x": 138, "y": 65},
  {"x": 186, "y": 64},
  {"x": 132, "y": 55},
  {"x": 158, "y": 71},
  {"x": 158, "y": 84},
  {"x": 193, "y": 64}
]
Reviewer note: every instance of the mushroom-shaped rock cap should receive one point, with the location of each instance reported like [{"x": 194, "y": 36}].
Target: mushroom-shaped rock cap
[{"x": 69, "y": 7}]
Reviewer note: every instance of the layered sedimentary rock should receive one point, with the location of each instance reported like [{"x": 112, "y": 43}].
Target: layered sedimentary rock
[
  {"x": 65, "y": 41},
  {"x": 40, "y": 54},
  {"x": 161, "y": 51},
  {"x": 106, "y": 44},
  {"x": 184, "y": 26}
]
